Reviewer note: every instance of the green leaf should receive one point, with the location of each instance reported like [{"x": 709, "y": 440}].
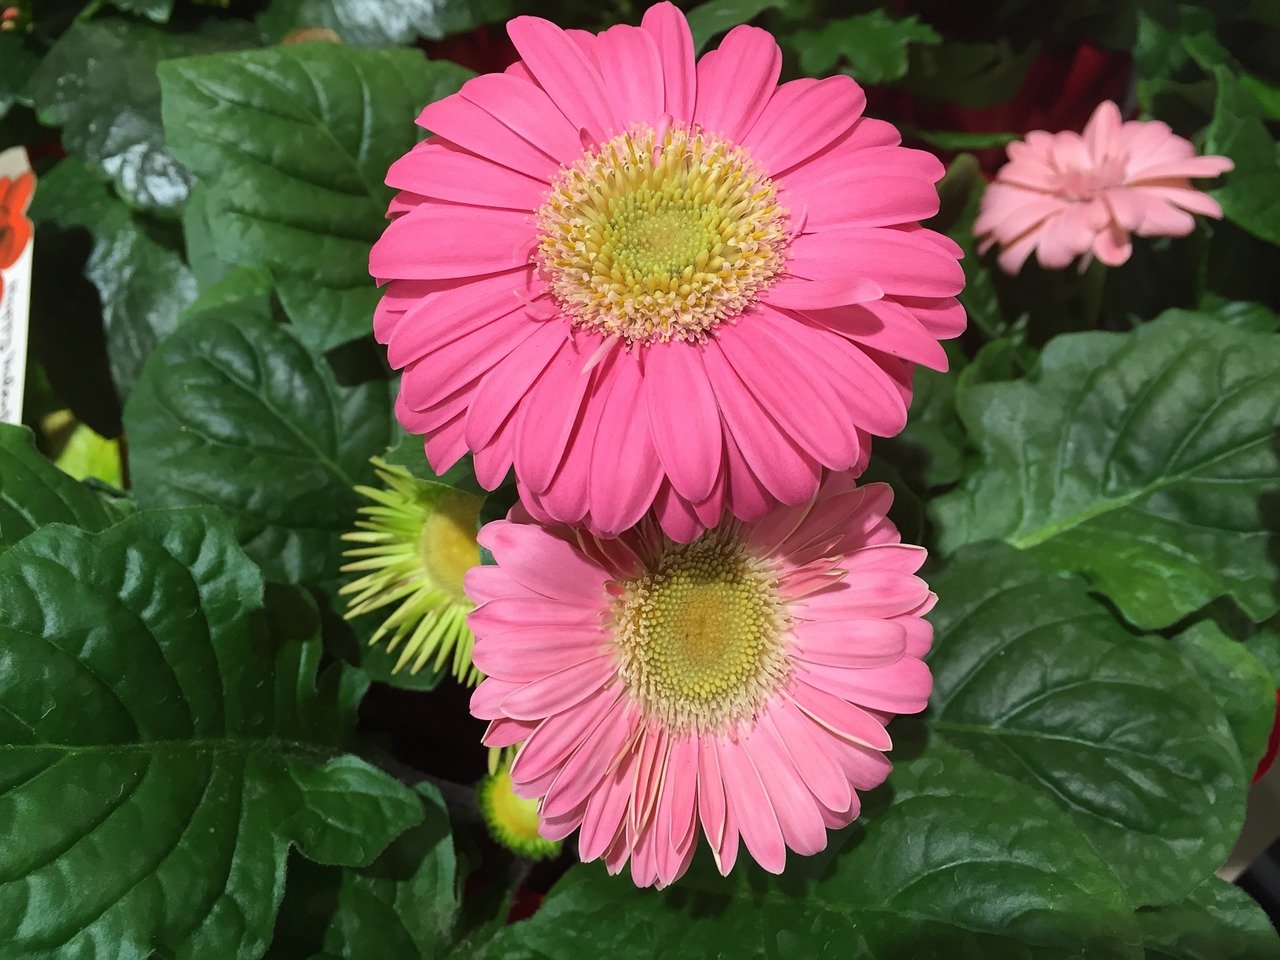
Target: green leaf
[
  {"x": 872, "y": 47},
  {"x": 1238, "y": 131},
  {"x": 17, "y": 62},
  {"x": 142, "y": 282},
  {"x": 708, "y": 20},
  {"x": 400, "y": 907},
  {"x": 1038, "y": 681},
  {"x": 1141, "y": 460},
  {"x": 1239, "y": 681},
  {"x": 99, "y": 84},
  {"x": 969, "y": 74},
  {"x": 161, "y": 748},
  {"x": 35, "y": 493},
  {"x": 292, "y": 145},
  {"x": 962, "y": 140},
  {"x": 234, "y": 411},
  {"x": 157, "y": 11},
  {"x": 1265, "y": 647},
  {"x": 1218, "y": 921},
  {"x": 375, "y": 23},
  {"x": 963, "y": 863},
  {"x": 244, "y": 289},
  {"x": 930, "y": 450}
]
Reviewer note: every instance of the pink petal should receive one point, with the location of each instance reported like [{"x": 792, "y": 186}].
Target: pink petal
[
  {"x": 447, "y": 241},
  {"x": 752, "y": 809},
  {"x": 448, "y": 173},
  {"x": 602, "y": 820},
  {"x": 561, "y": 68},
  {"x": 526, "y": 110},
  {"x": 852, "y": 644},
  {"x": 806, "y": 742},
  {"x": 793, "y": 396},
  {"x": 548, "y": 415},
  {"x": 789, "y": 475},
  {"x": 561, "y": 690},
  {"x": 505, "y": 732},
  {"x": 1102, "y": 132},
  {"x": 625, "y": 470},
  {"x": 798, "y": 817},
  {"x": 543, "y": 562},
  {"x": 583, "y": 771},
  {"x": 713, "y": 809},
  {"x": 1178, "y": 169},
  {"x": 505, "y": 386},
  {"x": 736, "y": 81},
  {"x": 684, "y": 417},
  {"x": 797, "y": 293},
  {"x": 803, "y": 118},
  {"x": 676, "y": 515},
  {"x": 521, "y": 612},
  {"x": 902, "y": 687},
  {"x": 447, "y": 316},
  {"x": 898, "y": 262},
  {"x": 1112, "y": 246},
  {"x": 668, "y": 27},
  {"x": 886, "y": 326},
  {"x": 559, "y": 737},
  {"x": 831, "y": 710},
  {"x": 870, "y": 594},
  {"x": 632, "y": 71},
  {"x": 461, "y": 122},
  {"x": 898, "y": 557},
  {"x": 858, "y": 384}
]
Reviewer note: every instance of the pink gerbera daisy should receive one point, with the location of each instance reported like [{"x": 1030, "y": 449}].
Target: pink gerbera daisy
[
  {"x": 741, "y": 682},
  {"x": 649, "y": 282},
  {"x": 1064, "y": 195}
]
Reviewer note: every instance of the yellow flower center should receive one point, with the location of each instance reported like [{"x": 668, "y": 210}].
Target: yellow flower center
[
  {"x": 447, "y": 546},
  {"x": 702, "y": 637},
  {"x": 657, "y": 237}
]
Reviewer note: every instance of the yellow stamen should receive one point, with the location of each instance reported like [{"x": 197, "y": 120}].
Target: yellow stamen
[
  {"x": 658, "y": 237},
  {"x": 702, "y": 637}
]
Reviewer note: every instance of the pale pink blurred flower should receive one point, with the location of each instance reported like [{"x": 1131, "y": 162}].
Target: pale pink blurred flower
[
  {"x": 1065, "y": 195},
  {"x": 740, "y": 683},
  {"x": 652, "y": 283}
]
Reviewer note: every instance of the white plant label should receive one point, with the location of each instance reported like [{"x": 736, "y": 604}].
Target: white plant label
[{"x": 15, "y": 281}]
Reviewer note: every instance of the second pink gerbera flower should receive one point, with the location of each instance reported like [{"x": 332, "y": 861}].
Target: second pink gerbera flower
[
  {"x": 739, "y": 684},
  {"x": 648, "y": 282},
  {"x": 1067, "y": 195}
]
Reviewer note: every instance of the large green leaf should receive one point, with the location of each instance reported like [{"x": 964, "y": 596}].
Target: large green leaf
[
  {"x": 964, "y": 863},
  {"x": 1238, "y": 131},
  {"x": 1143, "y": 460},
  {"x": 34, "y": 493},
  {"x": 163, "y": 743},
  {"x": 400, "y": 907},
  {"x": 233, "y": 410},
  {"x": 378, "y": 22},
  {"x": 99, "y": 84},
  {"x": 17, "y": 62},
  {"x": 1039, "y": 681},
  {"x": 871, "y": 47},
  {"x": 142, "y": 281},
  {"x": 1240, "y": 682},
  {"x": 293, "y": 145},
  {"x": 1218, "y": 921}
]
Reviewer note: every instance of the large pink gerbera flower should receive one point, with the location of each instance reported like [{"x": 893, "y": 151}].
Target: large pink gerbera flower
[
  {"x": 649, "y": 282},
  {"x": 1064, "y": 195},
  {"x": 740, "y": 682}
]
